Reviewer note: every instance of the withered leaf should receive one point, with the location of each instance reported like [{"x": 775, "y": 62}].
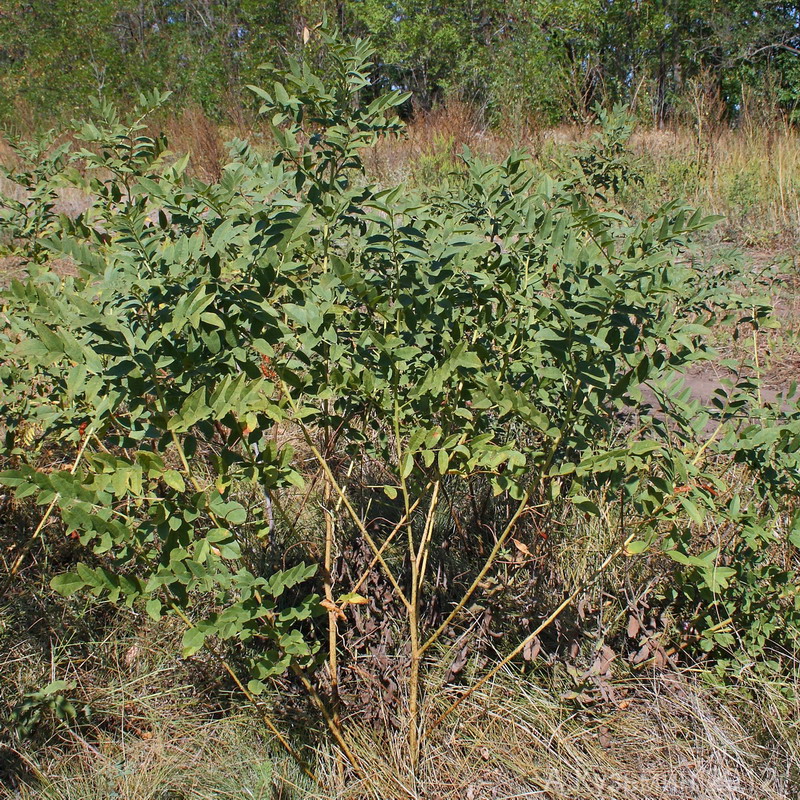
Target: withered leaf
[
  {"x": 531, "y": 649},
  {"x": 604, "y": 737},
  {"x": 460, "y": 661},
  {"x": 332, "y": 607},
  {"x": 603, "y": 660},
  {"x": 522, "y": 547},
  {"x": 643, "y": 653}
]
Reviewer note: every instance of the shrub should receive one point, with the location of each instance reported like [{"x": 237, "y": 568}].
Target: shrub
[{"x": 445, "y": 366}]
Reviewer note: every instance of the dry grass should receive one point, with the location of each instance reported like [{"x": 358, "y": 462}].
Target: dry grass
[
  {"x": 207, "y": 759},
  {"x": 666, "y": 737},
  {"x": 435, "y": 138},
  {"x": 750, "y": 175},
  {"x": 148, "y": 725},
  {"x": 194, "y": 133}
]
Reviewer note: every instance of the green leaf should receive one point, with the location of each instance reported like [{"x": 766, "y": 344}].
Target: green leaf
[
  {"x": 691, "y": 509},
  {"x": 641, "y": 448},
  {"x": 406, "y": 465},
  {"x": 352, "y": 598},
  {"x": 718, "y": 578},
  {"x": 193, "y": 641},
  {"x": 67, "y": 584},
  {"x": 55, "y": 687},
  {"x": 586, "y": 505},
  {"x": 153, "y": 608},
  {"x": 174, "y": 480},
  {"x": 230, "y": 550}
]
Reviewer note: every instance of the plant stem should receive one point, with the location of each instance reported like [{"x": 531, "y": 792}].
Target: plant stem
[
  {"x": 332, "y": 611},
  {"x": 322, "y": 461},
  {"x": 756, "y": 359},
  {"x": 427, "y": 535},
  {"x": 419, "y": 565},
  {"x": 413, "y": 610},
  {"x": 328, "y": 717}
]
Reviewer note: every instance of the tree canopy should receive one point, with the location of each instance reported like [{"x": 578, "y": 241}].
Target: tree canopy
[{"x": 550, "y": 60}]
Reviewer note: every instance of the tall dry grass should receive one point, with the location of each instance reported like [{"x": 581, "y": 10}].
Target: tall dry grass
[
  {"x": 750, "y": 174},
  {"x": 193, "y": 132},
  {"x": 665, "y": 737}
]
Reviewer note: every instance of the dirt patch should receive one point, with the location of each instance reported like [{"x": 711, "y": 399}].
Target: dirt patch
[
  {"x": 705, "y": 380},
  {"x": 12, "y": 267}
]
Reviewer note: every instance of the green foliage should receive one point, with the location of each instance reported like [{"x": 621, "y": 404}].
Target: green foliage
[
  {"x": 605, "y": 163},
  {"x": 27, "y": 212},
  {"x": 496, "y": 333},
  {"x": 541, "y": 60},
  {"x": 36, "y": 706}
]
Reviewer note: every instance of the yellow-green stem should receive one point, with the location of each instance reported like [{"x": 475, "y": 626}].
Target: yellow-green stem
[
  {"x": 332, "y": 611},
  {"x": 322, "y": 461}
]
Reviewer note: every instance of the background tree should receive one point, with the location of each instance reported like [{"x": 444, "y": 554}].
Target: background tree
[{"x": 549, "y": 60}]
